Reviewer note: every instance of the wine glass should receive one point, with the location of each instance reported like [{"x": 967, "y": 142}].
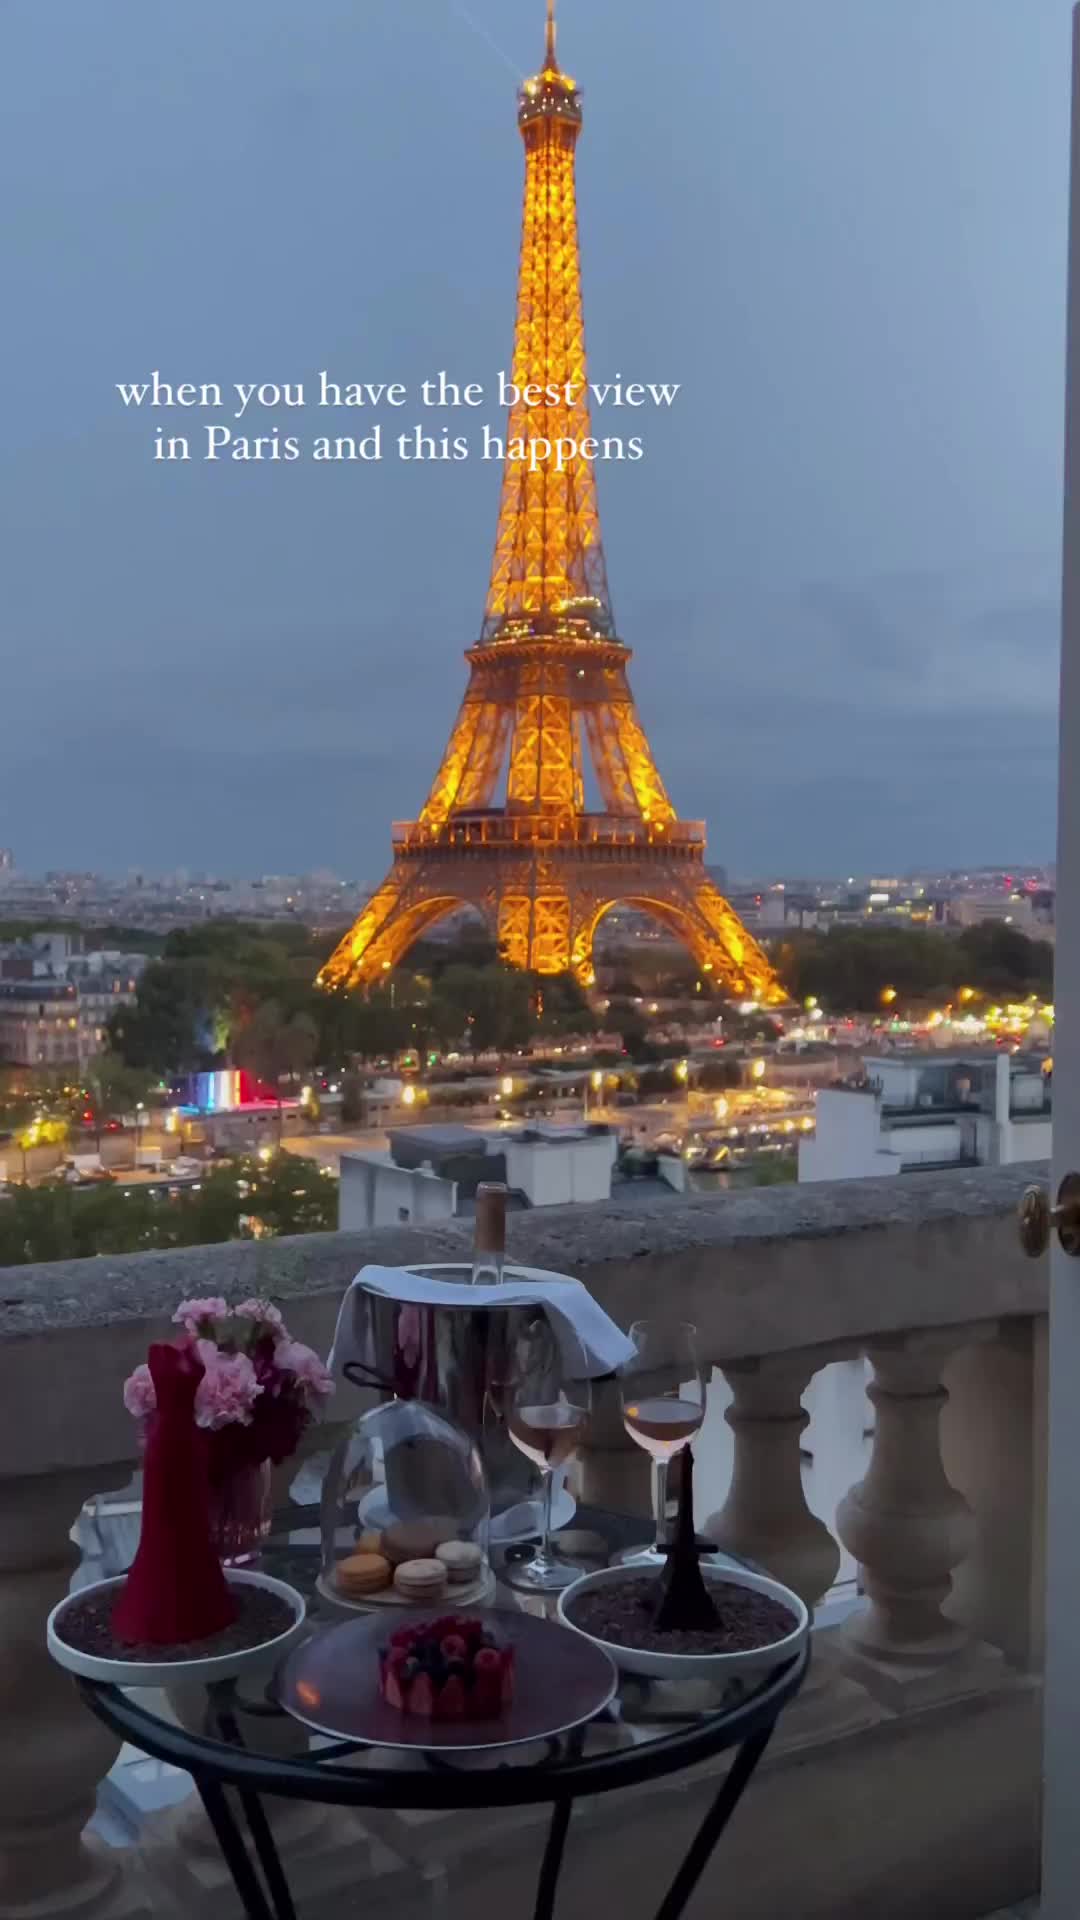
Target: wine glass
[
  {"x": 545, "y": 1402},
  {"x": 663, "y": 1387}
]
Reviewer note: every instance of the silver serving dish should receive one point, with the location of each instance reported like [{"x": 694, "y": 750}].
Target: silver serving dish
[{"x": 453, "y": 1358}]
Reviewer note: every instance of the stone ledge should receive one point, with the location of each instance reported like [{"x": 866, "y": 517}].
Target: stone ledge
[
  {"x": 111, "y": 1288},
  {"x": 759, "y": 1272}
]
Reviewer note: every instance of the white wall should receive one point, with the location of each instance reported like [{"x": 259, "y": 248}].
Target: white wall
[
  {"x": 373, "y": 1192},
  {"x": 918, "y": 1146},
  {"x": 1026, "y": 1140},
  {"x": 898, "y": 1080},
  {"x": 557, "y": 1174},
  {"x": 846, "y": 1144}
]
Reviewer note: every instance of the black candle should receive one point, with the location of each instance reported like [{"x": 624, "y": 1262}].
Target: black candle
[{"x": 685, "y": 1604}]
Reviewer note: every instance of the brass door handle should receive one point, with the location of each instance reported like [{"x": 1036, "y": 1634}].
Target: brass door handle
[{"x": 1037, "y": 1219}]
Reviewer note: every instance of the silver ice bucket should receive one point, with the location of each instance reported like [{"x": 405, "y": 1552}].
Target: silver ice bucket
[{"x": 454, "y": 1358}]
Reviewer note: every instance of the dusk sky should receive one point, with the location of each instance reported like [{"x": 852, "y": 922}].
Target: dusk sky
[{"x": 839, "y": 224}]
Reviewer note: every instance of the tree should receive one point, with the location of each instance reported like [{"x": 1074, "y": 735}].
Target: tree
[
  {"x": 853, "y": 967},
  {"x": 115, "y": 1089},
  {"x": 491, "y": 1005},
  {"x": 57, "y": 1222},
  {"x": 1002, "y": 960},
  {"x": 273, "y": 1047},
  {"x": 292, "y": 1195},
  {"x": 623, "y": 1017},
  {"x": 209, "y": 981},
  {"x": 18, "y": 1101},
  {"x": 562, "y": 1003}
]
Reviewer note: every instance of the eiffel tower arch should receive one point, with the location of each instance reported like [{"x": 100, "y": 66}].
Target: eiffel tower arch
[{"x": 505, "y": 827}]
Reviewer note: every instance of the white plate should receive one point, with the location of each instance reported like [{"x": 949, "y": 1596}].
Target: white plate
[
  {"x": 523, "y": 1521},
  {"x": 757, "y": 1661},
  {"x": 163, "y": 1673},
  {"x": 479, "y": 1592}
]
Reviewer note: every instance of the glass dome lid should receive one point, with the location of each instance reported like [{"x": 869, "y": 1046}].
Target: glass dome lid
[{"x": 402, "y": 1482}]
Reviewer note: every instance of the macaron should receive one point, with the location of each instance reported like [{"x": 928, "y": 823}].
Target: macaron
[
  {"x": 462, "y": 1560},
  {"x": 421, "y": 1580},
  {"x": 415, "y": 1539},
  {"x": 362, "y": 1573}
]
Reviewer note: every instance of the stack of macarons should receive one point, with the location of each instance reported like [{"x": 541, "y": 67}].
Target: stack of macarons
[{"x": 414, "y": 1561}]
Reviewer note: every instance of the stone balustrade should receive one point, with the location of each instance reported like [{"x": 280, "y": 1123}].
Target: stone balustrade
[{"x": 928, "y": 1690}]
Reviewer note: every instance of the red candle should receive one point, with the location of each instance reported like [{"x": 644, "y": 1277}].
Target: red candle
[{"x": 175, "y": 1591}]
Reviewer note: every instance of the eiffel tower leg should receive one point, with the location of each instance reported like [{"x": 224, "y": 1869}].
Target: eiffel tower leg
[
  {"x": 697, "y": 914},
  {"x": 393, "y": 919},
  {"x": 723, "y": 947},
  {"x": 535, "y": 919}
]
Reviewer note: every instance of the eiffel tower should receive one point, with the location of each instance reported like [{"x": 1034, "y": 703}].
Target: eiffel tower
[{"x": 505, "y": 827}]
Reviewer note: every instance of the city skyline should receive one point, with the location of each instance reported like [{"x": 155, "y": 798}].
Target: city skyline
[{"x": 837, "y": 566}]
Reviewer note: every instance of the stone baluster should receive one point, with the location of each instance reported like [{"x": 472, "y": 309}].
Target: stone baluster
[
  {"x": 54, "y": 1752},
  {"x": 904, "y": 1523},
  {"x": 613, "y": 1470},
  {"x": 765, "y": 1516}
]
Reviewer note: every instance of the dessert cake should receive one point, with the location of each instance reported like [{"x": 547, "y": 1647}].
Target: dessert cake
[{"x": 447, "y": 1669}]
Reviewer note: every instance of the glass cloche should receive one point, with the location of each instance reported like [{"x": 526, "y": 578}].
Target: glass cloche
[{"x": 405, "y": 1512}]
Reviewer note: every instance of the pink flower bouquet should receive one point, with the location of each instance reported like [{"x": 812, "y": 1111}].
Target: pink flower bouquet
[{"x": 259, "y": 1390}]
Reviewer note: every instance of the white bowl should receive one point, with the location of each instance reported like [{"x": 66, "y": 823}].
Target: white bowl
[
  {"x": 697, "y": 1666},
  {"x": 163, "y": 1673}
]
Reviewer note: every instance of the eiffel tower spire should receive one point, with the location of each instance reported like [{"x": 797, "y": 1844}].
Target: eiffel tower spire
[
  {"x": 506, "y": 826},
  {"x": 548, "y": 574}
]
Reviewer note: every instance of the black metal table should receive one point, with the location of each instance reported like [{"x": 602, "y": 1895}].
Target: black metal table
[{"x": 664, "y": 1736}]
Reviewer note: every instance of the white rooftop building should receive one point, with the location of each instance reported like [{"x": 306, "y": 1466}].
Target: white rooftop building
[
  {"x": 931, "y": 1110},
  {"x": 431, "y": 1173}
]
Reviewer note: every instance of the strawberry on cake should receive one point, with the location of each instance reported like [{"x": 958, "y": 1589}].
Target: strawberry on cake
[{"x": 447, "y": 1669}]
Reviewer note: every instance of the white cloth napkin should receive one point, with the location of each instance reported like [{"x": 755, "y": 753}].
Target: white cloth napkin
[{"x": 579, "y": 1325}]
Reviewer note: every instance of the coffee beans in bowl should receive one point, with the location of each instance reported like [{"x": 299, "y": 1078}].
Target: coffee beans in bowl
[{"x": 760, "y": 1624}]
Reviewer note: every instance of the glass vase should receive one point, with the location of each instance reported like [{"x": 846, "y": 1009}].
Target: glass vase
[{"x": 240, "y": 1514}]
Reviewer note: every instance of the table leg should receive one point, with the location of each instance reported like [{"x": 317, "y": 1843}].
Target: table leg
[
  {"x": 552, "y": 1861},
  {"x": 697, "y": 1857},
  {"x": 259, "y": 1827},
  {"x": 269, "y": 1858},
  {"x": 233, "y": 1851},
  {"x": 551, "y": 1864}
]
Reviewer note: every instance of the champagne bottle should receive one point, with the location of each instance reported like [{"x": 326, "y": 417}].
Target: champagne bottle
[{"x": 489, "y": 1237}]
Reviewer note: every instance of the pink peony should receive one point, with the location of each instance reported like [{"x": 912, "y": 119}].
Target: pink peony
[
  {"x": 227, "y": 1391},
  {"x": 139, "y": 1396},
  {"x": 306, "y": 1367},
  {"x": 264, "y": 1313},
  {"x": 193, "y": 1315}
]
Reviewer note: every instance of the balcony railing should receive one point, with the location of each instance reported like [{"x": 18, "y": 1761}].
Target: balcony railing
[
  {"x": 905, "y": 1780},
  {"x": 498, "y": 829}
]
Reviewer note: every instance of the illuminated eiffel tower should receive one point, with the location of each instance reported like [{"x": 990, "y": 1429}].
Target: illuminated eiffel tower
[{"x": 505, "y": 827}]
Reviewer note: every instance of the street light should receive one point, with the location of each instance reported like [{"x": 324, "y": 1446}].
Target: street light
[
  {"x": 140, "y": 1107},
  {"x": 595, "y": 1081}
]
